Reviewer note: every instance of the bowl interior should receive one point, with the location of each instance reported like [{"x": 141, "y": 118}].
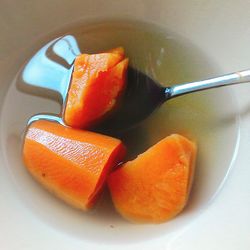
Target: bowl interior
[{"x": 209, "y": 117}]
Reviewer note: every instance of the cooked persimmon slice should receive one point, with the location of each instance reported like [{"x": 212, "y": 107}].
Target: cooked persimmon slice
[
  {"x": 97, "y": 83},
  {"x": 155, "y": 186},
  {"x": 71, "y": 163}
]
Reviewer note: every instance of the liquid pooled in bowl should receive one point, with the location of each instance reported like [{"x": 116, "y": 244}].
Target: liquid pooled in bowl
[{"x": 169, "y": 59}]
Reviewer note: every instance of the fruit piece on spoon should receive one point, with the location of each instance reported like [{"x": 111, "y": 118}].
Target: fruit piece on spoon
[
  {"x": 71, "y": 163},
  {"x": 155, "y": 186},
  {"x": 98, "y": 81}
]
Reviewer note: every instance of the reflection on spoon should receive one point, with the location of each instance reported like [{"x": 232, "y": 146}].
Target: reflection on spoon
[
  {"x": 51, "y": 67},
  {"x": 47, "y": 117}
]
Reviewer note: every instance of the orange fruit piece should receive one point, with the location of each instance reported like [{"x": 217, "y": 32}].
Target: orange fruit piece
[
  {"x": 71, "y": 163},
  {"x": 119, "y": 50},
  {"x": 155, "y": 186},
  {"x": 97, "y": 83}
]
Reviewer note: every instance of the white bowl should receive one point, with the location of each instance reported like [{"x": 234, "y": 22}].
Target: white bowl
[{"x": 211, "y": 37}]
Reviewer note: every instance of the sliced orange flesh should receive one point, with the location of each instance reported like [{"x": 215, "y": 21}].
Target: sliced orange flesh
[
  {"x": 97, "y": 83},
  {"x": 71, "y": 163},
  {"x": 155, "y": 186}
]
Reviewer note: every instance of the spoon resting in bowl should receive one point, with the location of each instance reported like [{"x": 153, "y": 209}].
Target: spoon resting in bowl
[
  {"x": 144, "y": 95},
  {"x": 52, "y": 66}
]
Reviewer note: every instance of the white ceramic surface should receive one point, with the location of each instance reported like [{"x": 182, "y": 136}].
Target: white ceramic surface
[{"x": 218, "y": 217}]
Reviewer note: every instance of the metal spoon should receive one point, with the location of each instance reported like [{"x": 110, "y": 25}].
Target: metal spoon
[
  {"x": 144, "y": 95},
  {"x": 51, "y": 69}
]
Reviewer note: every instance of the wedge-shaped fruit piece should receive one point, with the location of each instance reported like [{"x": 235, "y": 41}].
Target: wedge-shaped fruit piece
[
  {"x": 97, "y": 84},
  {"x": 71, "y": 163},
  {"x": 155, "y": 186}
]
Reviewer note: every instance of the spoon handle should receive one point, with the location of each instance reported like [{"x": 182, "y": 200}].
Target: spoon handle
[{"x": 230, "y": 79}]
